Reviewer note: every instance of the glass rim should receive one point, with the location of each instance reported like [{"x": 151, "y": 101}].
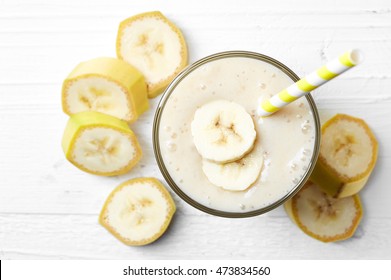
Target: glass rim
[{"x": 156, "y": 142}]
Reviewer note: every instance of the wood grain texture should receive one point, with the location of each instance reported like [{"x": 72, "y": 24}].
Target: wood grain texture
[{"x": 49, "y": 209}]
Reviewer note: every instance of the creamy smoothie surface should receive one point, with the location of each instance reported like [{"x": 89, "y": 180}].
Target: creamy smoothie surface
[{"x": 286, "y": 138}]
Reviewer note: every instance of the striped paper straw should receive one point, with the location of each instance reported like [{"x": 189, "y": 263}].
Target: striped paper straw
[{"x": 310, "y": 82}]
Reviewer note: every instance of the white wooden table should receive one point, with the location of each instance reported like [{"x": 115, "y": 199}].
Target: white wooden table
[{"x": 49, "y": 209}]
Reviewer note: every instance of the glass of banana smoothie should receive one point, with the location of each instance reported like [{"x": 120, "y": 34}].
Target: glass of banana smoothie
[{"x": 213, "y": 149}]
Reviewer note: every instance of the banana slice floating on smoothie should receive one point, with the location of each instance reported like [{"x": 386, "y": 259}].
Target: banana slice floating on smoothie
[
  {"x": 348, "y": 154},
  {"x": 106, "y": 85},
  {"x": 323, "y": 217},
  {"x": 138, "y": 211},
  {"x": 100, "y": 144},
  {"x": 155, "y": 46},
  {"x": 222, "y": 131},
  {"x": 238, "y": 175}
]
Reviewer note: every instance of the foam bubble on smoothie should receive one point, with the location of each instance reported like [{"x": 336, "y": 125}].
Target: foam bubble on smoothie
[
  {"x": 305, "y": 126},
  {"x": 171, "y": 146}
]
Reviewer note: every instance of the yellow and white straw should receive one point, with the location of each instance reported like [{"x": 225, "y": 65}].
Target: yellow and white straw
[{"x": 310, "y": 82}]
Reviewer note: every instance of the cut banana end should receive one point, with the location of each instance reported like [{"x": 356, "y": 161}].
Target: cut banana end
[
  {"x": 322, "y": 217},
  {"x": 138, "y": 211},
  {"x": 155, "y": 46},
  {"x": 106, "y": 85},
  {"x": 100, "y": 144},
  {"x": 222, "y": 131},
  {"x": 348, "y": 154},
  {"x": 238, "y": 175}
]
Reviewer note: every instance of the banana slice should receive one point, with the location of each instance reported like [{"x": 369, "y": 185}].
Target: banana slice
[
  {"x": 237, "y": 175},
  {"x": 138, "y": 211},
  {"x": 222, "y": 131},
  {"x": 100, "y": 144},
  {"x": 348, "y": 154},
  {"x": 106, "y": 85},
  {"x": 155, "y": 46},
  {"x": 323, "y": 217}
]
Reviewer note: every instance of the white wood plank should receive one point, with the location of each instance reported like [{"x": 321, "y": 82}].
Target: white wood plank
[
  {"x": 278, "y": 6},
  {"x": 266, "y": 237},
  {"x": 38, "y": 96},
  {"x": 20, "y": 63}
]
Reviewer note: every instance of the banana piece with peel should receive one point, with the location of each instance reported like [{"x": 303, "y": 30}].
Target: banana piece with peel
[
  {"x": 100, "y": 144},
  {"x": 138, "y": 211},
  {"x": 323, "y": 217},
  {"x": 348, "y": 154},
  {"x": 155, "y": 46},
  {"x": 106, "y": 85}
]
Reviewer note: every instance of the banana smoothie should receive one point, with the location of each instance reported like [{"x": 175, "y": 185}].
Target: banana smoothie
[{"x": 214, "y": 150}]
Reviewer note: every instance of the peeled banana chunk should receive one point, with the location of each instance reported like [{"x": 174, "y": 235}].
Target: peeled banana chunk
[
  {"x": 238, "y": 175},
  {"x": 222, "y": 131},
  {"x": 138, "y": 211}
]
